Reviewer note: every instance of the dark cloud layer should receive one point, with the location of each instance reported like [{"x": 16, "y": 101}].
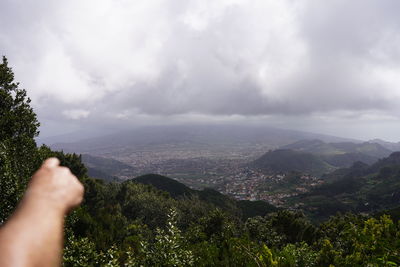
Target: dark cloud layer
[{"x": 88, "y": 62}]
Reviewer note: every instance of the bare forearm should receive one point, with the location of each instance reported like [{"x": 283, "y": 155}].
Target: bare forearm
[{"x": 32, "y": 237}]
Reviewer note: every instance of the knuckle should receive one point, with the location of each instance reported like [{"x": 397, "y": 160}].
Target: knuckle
[
  {"x": 65, "y": 170},
  {"x": 80, "y": 199},
  {"x": 81, "y": 188}
]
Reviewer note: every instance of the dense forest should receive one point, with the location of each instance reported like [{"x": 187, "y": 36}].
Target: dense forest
[{"x": 155, "y": 221}]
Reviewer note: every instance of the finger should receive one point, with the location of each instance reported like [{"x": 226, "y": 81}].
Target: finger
[{"x": 51, "y": 163}]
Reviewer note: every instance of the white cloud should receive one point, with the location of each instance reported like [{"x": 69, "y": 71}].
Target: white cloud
[
  {"x": 204, "y": 58},
  {"x": 76, "y": 114}
]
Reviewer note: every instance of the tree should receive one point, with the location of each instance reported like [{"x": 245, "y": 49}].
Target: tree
[
  {"x": 18, "y": 128},
  {"x": 169, "y": 248},
  {"x": 18, "y": 122}
]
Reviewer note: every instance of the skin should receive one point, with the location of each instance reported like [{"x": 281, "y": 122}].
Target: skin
[{"x": 33, "y": 236}]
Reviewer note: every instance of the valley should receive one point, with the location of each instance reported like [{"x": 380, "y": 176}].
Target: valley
[{"x": 272, "y": 165}]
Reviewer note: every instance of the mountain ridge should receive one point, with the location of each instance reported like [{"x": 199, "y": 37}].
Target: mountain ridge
[
  {"x": 341, "y": 154},
  {"x": 286, "y": 160},
  {"x": 360, "y": 188},
  {"x": 197, "y": 134}
]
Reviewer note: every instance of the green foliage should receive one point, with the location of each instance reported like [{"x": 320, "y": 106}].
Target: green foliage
[
  {"x": 261, "y": 229},
  {"x": 359, "y": 189},
  {"x": 368, "y": 242},
  {"x": 280, "y": 228},
  {"x": 255, "y": 208},
  {"x": 169, "y": 248},
  {"x": 286, "y": 160},
  {"x": 266, "y": 257},
  {"x": 18, "y": 122},
  {"x": 80, "y": 252},
  {"x": 110, "y": 258},
  {"x": 174, "y": 188},
  {"x": 179, "y": 191},
  {"x": 192, "y": 209},
  {"x": 18, "y": 128},
  {"x": 10, "y": 188},
  {"x": 300, "y": 254},
  {"x": 144, "y": 203}
]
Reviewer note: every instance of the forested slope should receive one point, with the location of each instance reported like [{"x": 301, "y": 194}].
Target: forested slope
[
  {"x": 360, "y": 188},
  {"x": 286, "y": 160}
]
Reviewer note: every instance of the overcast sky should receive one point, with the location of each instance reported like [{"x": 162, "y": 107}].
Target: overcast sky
[{"x": 325, "y": 66}]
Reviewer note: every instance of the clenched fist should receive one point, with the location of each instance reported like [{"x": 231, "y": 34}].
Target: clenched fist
[
  {"x": 55, "y": 186},
  {"x": 33, "y": 235}
]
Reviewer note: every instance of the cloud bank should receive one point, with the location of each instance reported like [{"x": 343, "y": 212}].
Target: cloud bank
[{"x": 124, "y": 60}]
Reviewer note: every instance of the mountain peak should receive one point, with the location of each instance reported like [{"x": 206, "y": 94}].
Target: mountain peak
[{"x": 286, "y": 160}]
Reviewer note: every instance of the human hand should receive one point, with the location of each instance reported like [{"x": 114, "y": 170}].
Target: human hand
[{"x": 54, "y": 187}]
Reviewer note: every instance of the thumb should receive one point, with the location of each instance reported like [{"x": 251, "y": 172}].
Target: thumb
[{"x": 51, "y": 163}]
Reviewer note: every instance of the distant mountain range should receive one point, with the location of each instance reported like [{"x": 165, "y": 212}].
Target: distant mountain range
[
  {"x": 388, "y": 145},
  {"x": 194, "y": 136},
  {"x": 342, "y": 154},
  {"x": 314, "y": 153},
  {"x": 317, "y": 157},
  {"x": 320, "y": 147},
  {"x": 317, "y": 154}
]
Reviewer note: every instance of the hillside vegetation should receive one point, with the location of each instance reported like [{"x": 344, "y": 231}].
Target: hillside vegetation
[
  {"x": 316, "y": 157},
  {"x": 285, "y": 160},
  {"x": 341, "y": 154},
  {"x": 243, "y": 209},
  {"x": 360, "y": 188}
]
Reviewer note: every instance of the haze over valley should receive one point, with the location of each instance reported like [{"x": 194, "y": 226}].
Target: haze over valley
[{"x": 245, "y": 162}]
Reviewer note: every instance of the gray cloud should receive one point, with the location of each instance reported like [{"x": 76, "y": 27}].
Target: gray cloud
[{"x": 100, "y": 60}]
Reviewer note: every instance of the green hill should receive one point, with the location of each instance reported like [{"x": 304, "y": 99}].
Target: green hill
[
  {"x": 392, "y": 160},
  {"x": 255, "y": 208},
  {"x": 178, "y": 190},
  {"x": 347, "y": 159},
  {"x": 341, "y": 154},
  {"x": 173, "y": 187},
  {"x": 285, "y": 160},
  {"x": 361, "y": 188}
]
